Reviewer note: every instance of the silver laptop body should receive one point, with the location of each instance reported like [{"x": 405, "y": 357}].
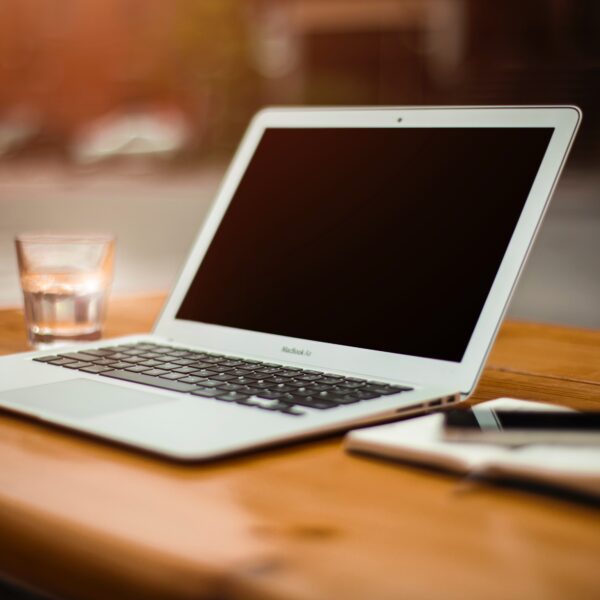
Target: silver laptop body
[{"x": 355, "y": 267}]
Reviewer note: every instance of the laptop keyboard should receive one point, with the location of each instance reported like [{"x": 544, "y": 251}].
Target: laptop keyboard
[{"x": 225, "y": 378}]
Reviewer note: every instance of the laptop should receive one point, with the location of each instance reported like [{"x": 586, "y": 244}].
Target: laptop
[{"x": 355, "y": 267}]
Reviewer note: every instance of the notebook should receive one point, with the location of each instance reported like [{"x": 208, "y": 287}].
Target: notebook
[
  {"x": 421, "y": 441},
  {"x": 354, "y": 267}
]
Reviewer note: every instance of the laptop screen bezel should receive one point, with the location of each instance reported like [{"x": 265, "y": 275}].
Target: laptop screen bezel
[{"x": 462, "y": 375}]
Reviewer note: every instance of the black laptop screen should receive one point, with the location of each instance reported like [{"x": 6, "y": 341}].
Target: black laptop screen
[{"x": 386, "y": 239}]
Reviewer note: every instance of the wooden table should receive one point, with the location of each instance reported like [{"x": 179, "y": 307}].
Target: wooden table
[{"x": 83, "y": 519}]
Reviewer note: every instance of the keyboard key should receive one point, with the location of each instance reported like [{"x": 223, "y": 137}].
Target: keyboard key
[
  {"x": 200, "y": 364},
  {"x": 118, "y": 365},
  {"x": 248, "y": 402},
  {"x": 313, "y": 402},
  {"x": 298, "y": 384},
  {"x": 352, "y": 384},
  {"x": 190, "y": 379},
  {"x": 155, "y": 372},
  {"x": 96, "y": 369},
  {"x": 268, "y": 371},
  {"x": 137, "y": 368},
  {"x": 308, "y": 377},
  {"x": 194, "y": 355},
  {"x": 341, "y": 399},
  {"x": 144, "y": 379},
  {"x": 150, "y": 363},
  {"x": 219, "y": 376},
  {"x": 262, "y": 385},
  {"x": 244, "y": 381},
  {"x": 266, "y": 403},
  {"x": 103, "y": 361},
  {"x": 61, "y": 362},
  {"x": 289, "y": 410},
  {"x": 329, "y": 379},
  {"x": 237, "y": 372},
  {"x": 232, "y": 396},
  {"x": 78, "y": 356},
  {"x": 134, "y": 360},
  {"x": 318, "y": 387},
  {"x": 287, "y": 398},
  {"x": 363, "y": 395},
  {"x": 250, "y": 390},
  {"x": 161, "y": 350},
  {"x": 303, "y": 392},
  {"x": 281, "y": 387},
  {"x": 384, "y": 389},
  {"x": 221, "y": 369},
  {"x": 231, "y": 387},
  {"x": 380, "y": 389},
  {"x": 208, "y": 382},
  {"x": 251, "y": 363},
  {"x": 45, "y": 358},
  {"x": 287, "y": 373},
  {"x": 99, "y": 352},
  {"x": 175, "y": 376},
  {"x": 185, "y": 370},
  {"x": 231, "y": 363},
  {"x": 78, "y": 365},
  {"x": 335, "y": 389},
  {"x": 256, "y": 376},
  {"x": 211, "y": 359},
  {"x": 204, "y": 373},
  {"x": 400, "y": 388},
  {"x": 334, "y": 393},
  {"x": 167, "y": 366},
  {"x": 268, "y": 395},
  {"x": 206, "y": 392},
  {"x": 277, "y": 379},
  {"x": 223, "y": 377},
  {"x": 184, "y": 362}
]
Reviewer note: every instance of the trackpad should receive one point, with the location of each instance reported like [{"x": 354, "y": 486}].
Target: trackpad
[{"x": 79, "y": 398}]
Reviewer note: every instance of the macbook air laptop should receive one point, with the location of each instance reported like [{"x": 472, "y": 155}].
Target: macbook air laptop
[{"x": 355, "y": 267}]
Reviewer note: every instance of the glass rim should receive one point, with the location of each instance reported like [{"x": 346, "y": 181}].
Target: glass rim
[{"x": 64, "y": 238}]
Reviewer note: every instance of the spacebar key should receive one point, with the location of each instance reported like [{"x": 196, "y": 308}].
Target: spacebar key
[{"x": 165, "y": 384}]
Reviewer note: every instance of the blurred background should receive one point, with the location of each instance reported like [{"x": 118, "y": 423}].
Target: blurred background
[{"x": 121, "y": 115}]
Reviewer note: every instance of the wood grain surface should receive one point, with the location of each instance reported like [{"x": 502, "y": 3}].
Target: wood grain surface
[{"x": 83, "y": 519}]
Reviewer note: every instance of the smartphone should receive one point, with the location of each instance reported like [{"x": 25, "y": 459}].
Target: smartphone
[{"x": 522, "y": 427}]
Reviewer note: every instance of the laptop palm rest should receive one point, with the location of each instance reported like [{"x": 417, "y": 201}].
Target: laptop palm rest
[{"x": 79, "y": 398}]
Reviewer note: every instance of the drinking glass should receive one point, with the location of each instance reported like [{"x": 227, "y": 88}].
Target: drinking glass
[{"x": 65, "y": 280}]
